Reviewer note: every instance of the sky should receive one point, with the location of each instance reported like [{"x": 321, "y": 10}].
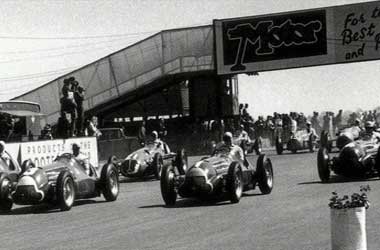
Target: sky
[{"x": 41, "y": 40}]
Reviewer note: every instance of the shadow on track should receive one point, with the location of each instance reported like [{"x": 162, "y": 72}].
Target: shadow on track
[
  {"x": 193, "y": 202},
  {"x": 339, "y": 179},
  {"x": 137, "y": 179},
  {"x": 46, "y": 208}
]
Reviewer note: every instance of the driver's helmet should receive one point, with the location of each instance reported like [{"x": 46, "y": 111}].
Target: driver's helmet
[
  {"x": 154, "y": 135},
  {"x": 227, "y": 138},
  {"x": 369, "y": 126}
]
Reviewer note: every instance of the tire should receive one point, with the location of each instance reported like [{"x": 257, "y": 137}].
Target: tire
[
  {"x": 158, "y": 163},
  {"x": 234, "y": 184},
  {"x": 180, "y": 161},
  {"x": 258, "y": 146},
  {"x": 65, "y": 191},
  {"x": 110, "y": 182},
  {"x": 167, "y": 183},
  {"x": 323, "y": 164},
  {"x": 377, "y": 162},
  {"x": 279, "y": 146},
  {"x": 6, "y": 202},
  {"x": 265, "y": 174}
]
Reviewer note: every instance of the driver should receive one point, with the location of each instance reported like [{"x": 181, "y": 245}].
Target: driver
[
  {"x": 81, "y": 158},
  {"x": 3, "y": 156},
  {"x": 370, "y": 133},
  {"x": 234, "y": 152},
  {"x": 157, "y": 141},
  {"x": 310, "y": 130}
]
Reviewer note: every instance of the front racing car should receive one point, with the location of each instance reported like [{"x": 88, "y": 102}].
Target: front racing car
[
  {"x": 59, "y": 183},
  {"x": 215, "y": 176}
]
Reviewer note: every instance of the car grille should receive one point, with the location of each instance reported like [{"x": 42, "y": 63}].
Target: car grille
[
  {"x": 26, "y": 195},
  {"x": 199, "y": 180}
]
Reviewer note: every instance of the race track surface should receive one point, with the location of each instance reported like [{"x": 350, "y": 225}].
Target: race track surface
[{"x": 294, "y": 216}]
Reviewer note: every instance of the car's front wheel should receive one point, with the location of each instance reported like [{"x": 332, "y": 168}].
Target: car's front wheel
[
  {"x": 65, "y": 191},
  {"x": 157, "y": 166},
  {"x": 323, "y": 164},
  {"x": 234, "y": 182},
  {"x": 265, "y": 174},
  {"x": 110, "y": 182},
  {"x": 6, "y": 202},
  {"x": 167, "y": 183}
]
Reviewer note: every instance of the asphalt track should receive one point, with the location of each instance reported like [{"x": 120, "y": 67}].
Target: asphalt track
[{"x": 294, "y": 216}]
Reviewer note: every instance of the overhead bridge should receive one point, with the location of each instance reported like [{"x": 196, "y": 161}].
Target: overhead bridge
[{"x": 133, "y": 72}]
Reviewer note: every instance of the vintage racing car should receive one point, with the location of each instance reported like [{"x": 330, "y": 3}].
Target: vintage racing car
[
  {"x": 60, "y": 183},
  {"x": 293, "y": 142},
  {"x": 356, "y": 159},
  {"x": 249, "y": 145},
  {"x": 215, "y": 176},
  {"x": 147, "y": 161}
]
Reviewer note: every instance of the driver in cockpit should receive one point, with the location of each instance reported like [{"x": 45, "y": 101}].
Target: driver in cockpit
[
  {"x": 81, "y": 158},
  {"x": 370, "y": 132},
  {"x": 234, "y": 152}
]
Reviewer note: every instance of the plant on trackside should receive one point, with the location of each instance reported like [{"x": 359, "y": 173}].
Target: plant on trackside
[{"x": 356, "y": 199}]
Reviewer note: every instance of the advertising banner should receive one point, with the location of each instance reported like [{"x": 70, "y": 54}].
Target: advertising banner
[
  {"x": 330, "y": 35},
  {"x": 44, "y": 152}
]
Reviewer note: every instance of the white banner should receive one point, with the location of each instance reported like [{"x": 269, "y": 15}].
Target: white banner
[{"x": 44, "y": 152}]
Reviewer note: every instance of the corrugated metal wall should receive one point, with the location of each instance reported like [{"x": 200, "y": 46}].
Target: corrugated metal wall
[{"x": 167, "y": 52}]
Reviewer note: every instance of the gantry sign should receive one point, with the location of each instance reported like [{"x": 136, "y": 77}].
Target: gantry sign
[{"x": 340, "y": 34}]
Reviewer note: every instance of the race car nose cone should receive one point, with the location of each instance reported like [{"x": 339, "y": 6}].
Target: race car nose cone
[
  {"x": 349, "y": 155},
  {"x": 343, "y": 140}
]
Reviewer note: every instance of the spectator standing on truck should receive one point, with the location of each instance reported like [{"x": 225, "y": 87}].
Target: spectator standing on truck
[
  {"x": 141, "y": 135},
  {"x": 68, "y": 104},
  {"x": 79, "y": 97}
]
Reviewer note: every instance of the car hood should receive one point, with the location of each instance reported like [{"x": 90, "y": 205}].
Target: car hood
[
  {"x": 213, "y": 165},
  {"x": 141, "y": 154}
]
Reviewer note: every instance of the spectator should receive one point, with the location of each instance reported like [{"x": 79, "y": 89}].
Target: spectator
[
  {"x": 46, "y": 133},
  {"x": 92, "y": 129},
  {"x": 142, "y": 134},
  {"x": 315, "y": 123},
  {"x": 162, "y": 132},
  {"x": 79, "y": 98}
]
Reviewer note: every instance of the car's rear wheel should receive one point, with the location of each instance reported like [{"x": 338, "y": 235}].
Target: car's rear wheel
[
  {"x": 279, "y": 146},
  {"x": 110, "y": 182},
  {"x": 158, "y": 163},
  {"x": 6, "y": 202},
  {"x": 65, "y": 191},
  {"x": 265, "y": 174},
  {"x": 180, "y": 161},
  {"x": 167, "y": 183},
  {"x": 234, "y": 183},
  {"x": 323, "y": 164}
]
